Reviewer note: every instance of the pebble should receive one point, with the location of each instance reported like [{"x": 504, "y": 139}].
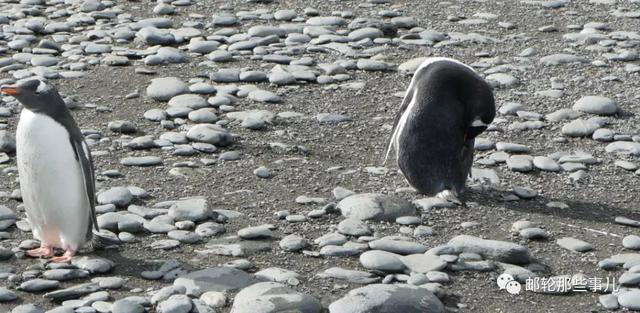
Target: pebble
[
  {"x": 264, "y": 96},
  {"x": 397, "y": 246},
  {"x": 423, "y": 263},
  {"x": 271, "y": 297},
  {"x": 127, "y": 306},
  {"x": 220, "y": 279},
  {"x": 193, "y": 209},
  {"x": 579, "y": 128},
  {"x": 354, "y": 227},
  {"x": 518, "y": 163},
  {"x": 493, "y": 249},
  {"x": 262, "y": 172},
  {"x": 627, "y": 221},
  {"x": 352, "y": 276},
  {"x": 544, "y": 163},
  {"x": 165, "y": 88},
  {"x": 294, "y": 243},
  {"x": 624, "y": 147},
  {"x": 629, "y": 299},
  {"x": 631, "y": 242},
  {"x": 609, "y": 302},
  {"x": 119, "y": 196},
  {"x": 255, "y": 232},
  {"x": 375, "y": 207},
  {"x": 141, "y": 161},
  {"x": 596, "y": 105},
  {"x": 534, "y": 233},
  {"x": 574, "y": 244},
  {"x": 175, "y": 304},
  {"x": 387, "y": 298},
  {"x": 382, "y": 261},
  {"x": 38, "y": 285},
  {"x": 7, "y": 295}
]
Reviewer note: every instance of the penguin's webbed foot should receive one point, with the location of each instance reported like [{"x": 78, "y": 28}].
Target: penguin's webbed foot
[
  {"x": 42, "y": 252},
  {"x": 65, "y": 258}
]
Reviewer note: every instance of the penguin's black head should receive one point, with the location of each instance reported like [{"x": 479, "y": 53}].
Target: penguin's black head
[{"x": 34, "y": 94}]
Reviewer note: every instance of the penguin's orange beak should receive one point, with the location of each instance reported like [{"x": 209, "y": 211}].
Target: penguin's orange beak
[{"x": 8, "y": 90}]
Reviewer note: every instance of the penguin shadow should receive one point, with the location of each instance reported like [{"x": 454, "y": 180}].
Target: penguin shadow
[{"x": 125, "y": 265}]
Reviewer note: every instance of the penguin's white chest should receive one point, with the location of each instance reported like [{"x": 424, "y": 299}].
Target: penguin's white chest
[{"x": 51, "y": 182}]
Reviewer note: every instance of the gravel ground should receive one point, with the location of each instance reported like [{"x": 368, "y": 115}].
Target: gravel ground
[{"x": 306, "y": 157}]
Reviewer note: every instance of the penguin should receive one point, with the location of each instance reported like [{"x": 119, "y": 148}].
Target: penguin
[
  {"x": 55, "y": 170},
  {"x": 446, "y": 106}
]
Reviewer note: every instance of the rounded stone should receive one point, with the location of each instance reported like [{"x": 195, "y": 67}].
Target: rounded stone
[{"x": 596, "y": 105}]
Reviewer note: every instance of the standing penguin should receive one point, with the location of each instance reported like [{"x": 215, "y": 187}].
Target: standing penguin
[
  {"x": 445, "y": 107},
  {"x": 56, "y": 171}
]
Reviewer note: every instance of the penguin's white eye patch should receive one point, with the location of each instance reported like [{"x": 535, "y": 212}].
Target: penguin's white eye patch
[{"x": 41, "y": 87}]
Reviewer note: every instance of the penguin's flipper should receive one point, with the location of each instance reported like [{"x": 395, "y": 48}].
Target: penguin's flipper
[
  {"x": 99, "y": 239},
  {"x": 397, "y": 125},
  {"x": 467, "y": 159},
  {"x": 83, "y": 156}
]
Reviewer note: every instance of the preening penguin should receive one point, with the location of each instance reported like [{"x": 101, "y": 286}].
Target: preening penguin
[
  {"x": 56, "y": 171},
  {"x": 445, "y": 107}
]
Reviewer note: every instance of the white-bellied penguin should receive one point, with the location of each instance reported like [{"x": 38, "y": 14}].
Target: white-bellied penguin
[
  {"x": 445, "y": 107},
  {"x": 56, "y": 172}
]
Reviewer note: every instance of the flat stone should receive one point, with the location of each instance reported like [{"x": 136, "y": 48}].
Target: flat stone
[
  {"x": 574, "y": 244},
  {"x": 534, "y": 233},
  {"x": 596, "y": 105},
  {"x": 630, "y": 299},
  {"x": 354, "y": 227},
  {"x": 293, "y": 243},
  {"x": 375, "y": 207},
  {"x": 93, "y": 264},
  {"x": 397, "y": 246},
  {"x": 609, "y": 302},
  {"x": 38, "y": 285},
  {"x": 544, "y": 163},
  {"x": 193, "y": 209},
  {"x": 624, "y": 147},
  {"x": 127, "y": 306},
  {"x": 502, "y": 251},
  {"x": 579, "y": 128},
  {"x": 175, "y": 304},
  {"x": 269, "y": 297},
  {"x": 352, "y": 276},
  {"x": 520, "y": 163},
  {"x": 382, "y": 261},
  {"x": 214, "y": 279},
  {"x": 165, "y": 88},
  {"x": 7, "y": 295},
  {"x": 264, "y": 96},
  {"x": 388, "y": 298},
  {"x": 256, "y": 232},
  {"x": 423, "y": 263},
  {"x": 119, "y": 196},
  {"x": 207, "y": 133},
  {"x": 631, "y": 242},
  {"x": 73, "y": 292}
]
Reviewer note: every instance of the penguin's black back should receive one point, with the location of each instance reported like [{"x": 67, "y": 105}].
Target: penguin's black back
[{"x": 435, "y": 142}]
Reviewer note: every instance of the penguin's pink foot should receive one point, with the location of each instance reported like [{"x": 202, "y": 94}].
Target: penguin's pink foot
[
  {"x": 42, "y": 252},
  {"x": 65, "y": 258}
]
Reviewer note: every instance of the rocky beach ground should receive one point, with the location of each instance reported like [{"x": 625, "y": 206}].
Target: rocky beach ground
[{"x": 239, "y": 147}]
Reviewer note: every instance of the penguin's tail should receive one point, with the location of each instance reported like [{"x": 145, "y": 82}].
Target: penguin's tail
[{"x": 103, "y": 239}]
